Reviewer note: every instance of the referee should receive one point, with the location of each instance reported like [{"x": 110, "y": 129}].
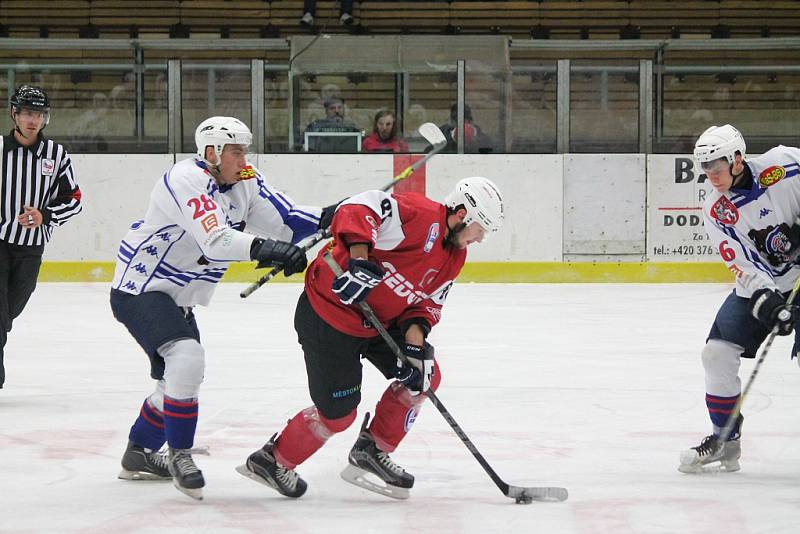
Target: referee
[{"x": 38, "y": 193}]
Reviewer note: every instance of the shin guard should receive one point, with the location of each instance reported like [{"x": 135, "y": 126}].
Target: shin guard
[{"x": 305, "y": 434}]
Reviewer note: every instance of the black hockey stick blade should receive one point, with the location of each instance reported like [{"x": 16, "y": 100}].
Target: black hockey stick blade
[{"x": 538, "y": 494}]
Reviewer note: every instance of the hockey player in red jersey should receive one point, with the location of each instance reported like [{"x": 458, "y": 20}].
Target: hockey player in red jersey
[{"x": 401, "y": 252}]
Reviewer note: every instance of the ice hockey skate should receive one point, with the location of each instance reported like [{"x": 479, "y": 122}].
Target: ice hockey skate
[
  {"x": 262, "y": 467},
  {"x": 139, "y": 463},
  {"x": 372, "y": 469},
  {"x": 185, "y": 474},
  {"x": 712, "y": 456}
]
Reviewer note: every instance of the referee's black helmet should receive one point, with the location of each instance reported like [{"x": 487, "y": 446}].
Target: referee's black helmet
[{"x": 30, "y": 97}]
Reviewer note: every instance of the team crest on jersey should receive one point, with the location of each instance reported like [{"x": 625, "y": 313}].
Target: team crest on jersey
[
  {"x": 48, "y": 166},
  {"x": 724, "y": 211},
  {"x": 771, "y": 175},
  {"x": 433, "y": 234}
]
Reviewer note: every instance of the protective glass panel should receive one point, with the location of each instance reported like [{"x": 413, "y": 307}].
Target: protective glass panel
[
  {"x": 94, "y": 109},
  {"x": 276, "y": 111},
  {"x": 764, "y": 106},
  {"x": 430, "y": 98},
  {"x": 604, "y": 109},
  {"x": 343, "y": 104},
  {"x": 533, "y": 114},
  {"x": 209, "y": 89}
]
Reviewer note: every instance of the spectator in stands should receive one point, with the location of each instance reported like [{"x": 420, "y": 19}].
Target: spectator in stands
[
  {"x": 334, "y": 122},
  {"x": 310, "y": 11},
  {"x": 384, "y": 137},
  {"x": 476, "y": 140}
]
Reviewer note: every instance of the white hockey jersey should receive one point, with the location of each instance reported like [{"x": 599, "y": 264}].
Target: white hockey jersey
[
  {"x": 730, "y": 217},
  {"x": 193, "y": 229}
]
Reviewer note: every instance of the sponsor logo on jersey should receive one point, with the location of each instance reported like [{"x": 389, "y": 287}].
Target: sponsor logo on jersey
[
  {"x": 771, "y": 175},
  {"x": 400, "y": 285},
  {"x": 409, "y": 419},
  {"x": 247, "y": 173},
  {"x": 433, "y": 234},
  {"x": 48, "y": 166},
  {"x": 209, "y": 222},
  {"x": 724, "y": 211},
  {"x": 436, "y": 313},
  {"x": 428, "y": 277},
  {"x": 371, "y": 221},
  {"x": 346, "y": 392}
]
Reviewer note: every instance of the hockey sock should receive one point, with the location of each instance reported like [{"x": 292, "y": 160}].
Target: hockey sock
[
  {"x": 180, "y": 422},
  {"x": 305, "y": 433},
  {"x": 396, "y": 412},
  {"x": 148, "y": 429},
  {"x": 720, "y": 409}
]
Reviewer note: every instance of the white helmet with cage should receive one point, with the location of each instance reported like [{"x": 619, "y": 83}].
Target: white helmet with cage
[
  {"x": 482, "y": 200},
  {"x": 221, "y": 131},
  {"x": 719, "y": 142}
]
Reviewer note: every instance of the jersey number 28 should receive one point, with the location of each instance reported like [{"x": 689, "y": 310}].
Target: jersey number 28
[{"x": 201, "y": 205}]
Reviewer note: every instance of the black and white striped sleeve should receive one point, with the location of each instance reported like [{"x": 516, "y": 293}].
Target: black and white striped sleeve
[{"x": 66, "y": 200}]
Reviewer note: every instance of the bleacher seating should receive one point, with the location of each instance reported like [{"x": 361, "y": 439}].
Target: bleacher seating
[{"x": 519, "y": 18}]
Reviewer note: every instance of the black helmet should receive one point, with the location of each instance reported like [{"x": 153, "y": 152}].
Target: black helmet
[{"x": 30, "y": 97}]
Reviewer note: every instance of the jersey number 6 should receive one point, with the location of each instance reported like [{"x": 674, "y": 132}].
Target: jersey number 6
[{"x": 201, "y": 206}]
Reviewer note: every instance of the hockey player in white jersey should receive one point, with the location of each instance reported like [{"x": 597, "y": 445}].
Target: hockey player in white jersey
[
  {"x": 172, "y": 260},
  {"x": 751, "y": 218}
]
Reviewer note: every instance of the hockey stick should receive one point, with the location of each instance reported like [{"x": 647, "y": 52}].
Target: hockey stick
[
  {"x": 522, "y": 495},
  {"x": 430, "y": 132},
  {"x": 728, "y": 428}
]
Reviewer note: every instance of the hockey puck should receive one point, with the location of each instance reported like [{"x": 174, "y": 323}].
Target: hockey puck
[{"x": 523, "y": 499}]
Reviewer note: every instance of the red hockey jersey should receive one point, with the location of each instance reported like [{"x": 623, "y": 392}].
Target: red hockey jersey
[{"x": 405, "y": 232}]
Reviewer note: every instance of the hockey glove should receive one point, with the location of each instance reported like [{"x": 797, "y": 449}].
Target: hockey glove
[
  {"x": 361, "y": 277},
  {"x": 417, "y": 371},
  {"x": 770, "y": 308},
  {"x": 268, "y": 252},
  {"x": 779, "y": 244},
  {"x": 326, "y": 218}
]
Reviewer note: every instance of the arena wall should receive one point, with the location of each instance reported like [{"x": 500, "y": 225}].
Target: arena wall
[{"x": 570, "y": 218}]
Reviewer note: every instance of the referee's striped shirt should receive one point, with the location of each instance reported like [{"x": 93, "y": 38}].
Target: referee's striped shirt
[{"x": 39, "y": 176}]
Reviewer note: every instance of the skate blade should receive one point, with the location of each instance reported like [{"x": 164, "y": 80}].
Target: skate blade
[
  {"x": 358, "y": 477},
  {"x": 245, "y": 472},
  {"x": 196, "y": 494},
  {"x": 699, "y": 469},
  {"x": 140, "y": 475}
]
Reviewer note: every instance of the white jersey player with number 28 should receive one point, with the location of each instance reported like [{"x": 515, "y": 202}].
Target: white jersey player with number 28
[
  {"x": 172, "y": 260},
  {"x": 752, "y": 218}
]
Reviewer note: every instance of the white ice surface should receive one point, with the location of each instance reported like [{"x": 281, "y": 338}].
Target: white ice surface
[{"x": 593, "y": 387}]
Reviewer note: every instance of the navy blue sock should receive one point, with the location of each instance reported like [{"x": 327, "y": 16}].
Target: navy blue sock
[
  {"x": 148, "y": 429},
  {"x": 180, "y": 421}
]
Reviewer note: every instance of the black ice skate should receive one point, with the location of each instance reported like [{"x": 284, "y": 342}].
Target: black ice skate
[
  {"x": 185, "y": 474},
  {"x": 139, "y": 463},
  {"x": 262, "y": 467},
  {"x": 711, "y": 450},
  {"x": 368, "y": 461}
]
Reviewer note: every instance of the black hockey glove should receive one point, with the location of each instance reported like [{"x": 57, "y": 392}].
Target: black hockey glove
[
  {"x": 417, "y": 371},
  {"x": 770, "y": 308},
  {"x": 779, "y": 244},
  {"x": 268, "y": 252},
  {"x": 326, "y": 218},
  {"x": 361, "y": 277}
]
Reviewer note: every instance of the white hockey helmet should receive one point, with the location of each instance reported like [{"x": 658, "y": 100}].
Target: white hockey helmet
[
  {"x": 719, "y": 142},
  {"x": 482, "y": 200},
  {"x": 221, "y": 131}
]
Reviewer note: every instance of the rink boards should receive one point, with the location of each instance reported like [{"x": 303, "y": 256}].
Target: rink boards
[{"x": 569, "y": 217}]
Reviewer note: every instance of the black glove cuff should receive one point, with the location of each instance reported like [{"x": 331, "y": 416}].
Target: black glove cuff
[
  {"x": 254, "y": 246},
  {"x": 423, "y": 324}
]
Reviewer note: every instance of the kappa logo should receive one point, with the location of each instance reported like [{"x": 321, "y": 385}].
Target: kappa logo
[
  {"x": 433, "y": 234},
  {"x": 724, "y": 211},
  {"x": 771, "y": 175}
]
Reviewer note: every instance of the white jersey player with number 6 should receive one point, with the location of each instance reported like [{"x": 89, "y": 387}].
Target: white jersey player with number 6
[
  {"x": 172, "y": 260},
  {"x": 752, "y": 220}
]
